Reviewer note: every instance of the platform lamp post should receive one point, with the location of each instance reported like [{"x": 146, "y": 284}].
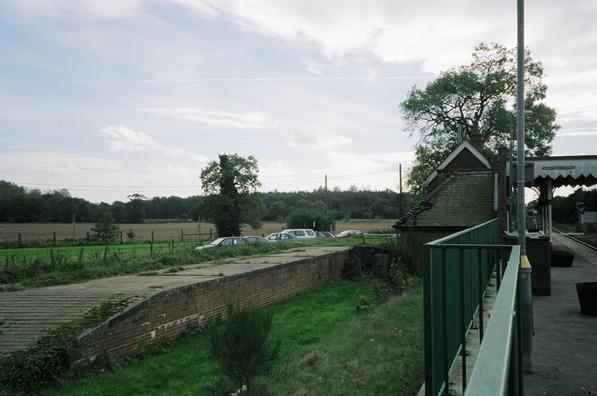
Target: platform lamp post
[{"x": 525, "y": 291}]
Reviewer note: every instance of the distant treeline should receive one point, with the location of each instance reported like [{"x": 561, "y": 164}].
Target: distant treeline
[
  {"x": 564, "y": 208},
  {"x": 21, "y": 205}
]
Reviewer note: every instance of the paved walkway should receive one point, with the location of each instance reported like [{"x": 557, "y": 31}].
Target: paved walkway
[
  {"x": 27, "y": 315},
  {"x": 565, "y": 341}
]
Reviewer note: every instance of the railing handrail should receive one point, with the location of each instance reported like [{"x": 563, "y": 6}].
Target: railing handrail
[
  {"x": 459, "y": 233},
  {"x": 491, "y": 370}
]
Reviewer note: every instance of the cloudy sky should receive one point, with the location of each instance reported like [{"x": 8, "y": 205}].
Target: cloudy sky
[{"x": 108, "y": 98}]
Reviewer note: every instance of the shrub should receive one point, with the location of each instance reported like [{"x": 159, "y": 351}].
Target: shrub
[
  {"x": 105, "y": 230},
  {"x": 241, "y": 346}
]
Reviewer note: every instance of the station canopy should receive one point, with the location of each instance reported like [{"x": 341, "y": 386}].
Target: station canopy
[{"x": 574, "y": 170}]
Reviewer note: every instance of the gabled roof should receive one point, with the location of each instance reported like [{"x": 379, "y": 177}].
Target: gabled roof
[{"x": 466, "y": 145}]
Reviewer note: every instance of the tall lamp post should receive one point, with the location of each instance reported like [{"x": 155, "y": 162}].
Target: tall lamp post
[{"x": 525, "y": 290}]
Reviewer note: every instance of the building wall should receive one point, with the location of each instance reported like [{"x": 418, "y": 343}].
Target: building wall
[
  {"x": 467, "y": 200},
  {"x": 167, "y": 314},
  {"x": 412, "y": 240}
]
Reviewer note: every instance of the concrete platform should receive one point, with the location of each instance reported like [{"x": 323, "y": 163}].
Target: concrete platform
[
  {"x": 565, "y": 341},
  {"x": 27, "y": 315}
]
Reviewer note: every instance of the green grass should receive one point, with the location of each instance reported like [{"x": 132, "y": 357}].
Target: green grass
[
  {"x": 327, "y": 348},
  {"x": 563, "y": 227},
  {"x": 36, "y": 267},
  {"x": 588, "y": 238},
  {"x": 90, "y": 250},
  {"x": 36, "y": 271}
]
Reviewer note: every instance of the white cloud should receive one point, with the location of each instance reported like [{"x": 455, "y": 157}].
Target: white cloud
[
  {"x": 214, "y": 118},
  {"x": 43, "y": 164},
  {"x": 578, "y": 133},
  {"x": 104, "y": 9},
  {"x": 436, "y": 33},
  {"x": 318, "y": 139},
  {"x": 313, "y": 66},
  {"x": 123, "y": 139}
]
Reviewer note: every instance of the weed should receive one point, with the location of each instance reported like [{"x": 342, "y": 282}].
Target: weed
[{"x": 43, "y": 362}]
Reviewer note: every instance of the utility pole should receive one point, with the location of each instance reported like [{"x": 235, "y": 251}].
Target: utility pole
[
  {"x": 400, "y": 188},
  {"x": 525, "y": 291},
  {"x": 326, "y": 194}
]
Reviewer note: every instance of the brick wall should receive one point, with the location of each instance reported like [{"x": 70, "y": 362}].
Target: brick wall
[{"x": 167, "y": 314}]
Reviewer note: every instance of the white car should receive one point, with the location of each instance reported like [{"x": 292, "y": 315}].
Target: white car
[
  {"x": 301, "y": 233},
  {"x": 223, "y": 242},
  {"x": 349, "y": 233}
]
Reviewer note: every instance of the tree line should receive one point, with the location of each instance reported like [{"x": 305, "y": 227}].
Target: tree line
[
  {"x": 22, "y": 205},
  {"x": 564, "y": 209}
]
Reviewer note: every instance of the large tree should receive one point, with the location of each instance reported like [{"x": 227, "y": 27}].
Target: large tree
[
  {"x": 230, "y": 184},
  {"x": 477, "y": 99}
]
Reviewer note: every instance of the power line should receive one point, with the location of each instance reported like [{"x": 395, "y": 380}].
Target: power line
[
  {"x": 95, "y": 187},
  {"x": 219, "y": 79}
]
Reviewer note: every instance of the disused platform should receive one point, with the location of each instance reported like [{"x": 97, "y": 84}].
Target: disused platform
[
  {"x": 565, "y": 341},
  {"x": 27, "y": 315}
]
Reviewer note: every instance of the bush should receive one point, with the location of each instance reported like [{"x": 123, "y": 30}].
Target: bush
[
  {"x": 309, "y": 218},
  {"x": 241, "y": 346},
  {"x": 40, "y": 365}
]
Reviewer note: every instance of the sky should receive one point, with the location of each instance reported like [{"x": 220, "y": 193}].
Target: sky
[{"x": 109, "y": 98}]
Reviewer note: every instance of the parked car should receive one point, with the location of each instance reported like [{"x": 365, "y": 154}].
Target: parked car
[
  {"x": 349, "y": 233},
  {"x": 301, "y": 233},
  {"x": 279, "y": 237},
  {"x": 223, "y": 242},
  {"x": 324, "y": 234},
  {"x": 255, "y": 239}
]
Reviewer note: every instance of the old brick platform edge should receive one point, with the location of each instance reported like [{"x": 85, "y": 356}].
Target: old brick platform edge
[{"x": 168, "y": 313}]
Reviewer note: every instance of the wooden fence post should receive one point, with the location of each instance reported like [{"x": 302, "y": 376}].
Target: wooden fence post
[
  {"x": 210, "y": 233},
  {"x": 19, "y": 239},
  {"x": 181, "y": 234},
  {"x": 152, "y": 237},
  {"x": 54, "y": 238},
  {"x": 121, "y": 237}
]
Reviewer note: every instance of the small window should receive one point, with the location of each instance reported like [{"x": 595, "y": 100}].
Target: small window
[
  {"x": 284, "y": 236},
  {"x": 299, "y": 233},
  {"x": 310, "y": 233}
]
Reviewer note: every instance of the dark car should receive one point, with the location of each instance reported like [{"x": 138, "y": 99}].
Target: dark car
[
  {"x": 252, "y": 240},
  {"x": 324, "y": 234}
]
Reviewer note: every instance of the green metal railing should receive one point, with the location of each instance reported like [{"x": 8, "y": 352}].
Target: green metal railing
[
  {"x": 498, "y": 368},
  {"x": 458, "y": 269}
]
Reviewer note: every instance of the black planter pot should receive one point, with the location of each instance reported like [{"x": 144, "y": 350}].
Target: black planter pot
[
  {"x": 561, "y": 258},
  {"x": 587, "y": 297}
]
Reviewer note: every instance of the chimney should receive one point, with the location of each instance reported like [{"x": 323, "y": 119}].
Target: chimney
[{"x": 476, "y": 140}]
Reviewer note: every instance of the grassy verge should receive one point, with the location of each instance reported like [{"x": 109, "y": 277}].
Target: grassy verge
[
  {"x": 61, "y": 266},
  {"x": 39, "y": 365},
  {"x": 327, "y": 347},
  {"x": 588, "y": 238}
]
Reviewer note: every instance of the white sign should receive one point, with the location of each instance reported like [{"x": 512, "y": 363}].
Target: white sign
[{"x": 588, "y": 218}]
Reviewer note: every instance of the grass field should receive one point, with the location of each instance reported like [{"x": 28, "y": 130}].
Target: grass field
[
  {"x": 327, "y": 348},
  {"x": 161, "y": 231},
  {"x": 36, "y": 267}
]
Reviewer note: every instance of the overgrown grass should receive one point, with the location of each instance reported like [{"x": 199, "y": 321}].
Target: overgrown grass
[
  {"x": 588, "y": 238},
  {"x": 45, "y": 266},
  {"x": 327, "y": 347},
  {"x": 36, "y": 272},
  {"x": 23, "y": 372}
]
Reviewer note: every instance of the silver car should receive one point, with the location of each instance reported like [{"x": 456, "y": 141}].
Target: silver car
[{"x": 223, "y": 242}]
